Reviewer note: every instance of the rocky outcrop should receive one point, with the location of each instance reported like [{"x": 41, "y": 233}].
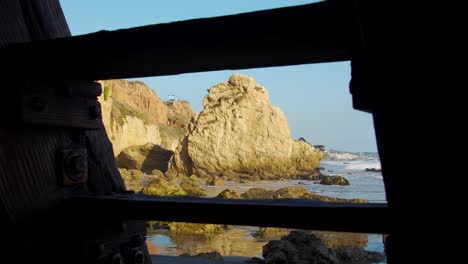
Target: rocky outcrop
[
  {"x": 373, "y": 170},
  {"x": 239, "y": 131},
  {"x": 298, "y": 248},
  {"x": 294, "y": 192},
  {"x": 229, "y": 194},
  {"x": 146, "y": 158},
  {"x": 215, "y": 182},
  {"x": 161, "y": 187},
  {"x": 332, "y": 240},
  {"x": 133, "y": 114},
  {"x": 257, "y": 193},
  {"x": 333, "y": 180},
  {"x": 192, "y": 187},
  {"x": 302, "y": 248}
]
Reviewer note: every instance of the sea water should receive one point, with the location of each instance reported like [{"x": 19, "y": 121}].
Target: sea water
[{"x": 363, "y": 184}]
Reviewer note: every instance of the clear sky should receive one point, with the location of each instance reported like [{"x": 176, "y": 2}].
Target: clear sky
[{"x": 314, "y": 97}]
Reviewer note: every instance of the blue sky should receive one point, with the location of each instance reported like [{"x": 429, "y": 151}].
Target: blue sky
[{"x": 314, "y": 97}]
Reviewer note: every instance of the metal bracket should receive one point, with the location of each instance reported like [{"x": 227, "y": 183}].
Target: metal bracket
[{"x": 74, "y": 166}]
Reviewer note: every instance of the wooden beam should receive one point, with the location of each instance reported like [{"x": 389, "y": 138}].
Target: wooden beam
[
  {"x": 287, "y": 213},
  {"x": 313, "y": 33}
]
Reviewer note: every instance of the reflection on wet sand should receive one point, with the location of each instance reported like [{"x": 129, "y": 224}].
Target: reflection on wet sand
[
  {"x": 238, "y": 241},
  {"x": 234, "y": 242}
]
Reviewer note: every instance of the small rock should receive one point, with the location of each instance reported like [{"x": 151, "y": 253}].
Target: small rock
[
  {"x": 373, "y": 170},
  {"x": 334, "y": 180},
  {"x": 192, "y": 187},
  {"x": 161, "y": 187},
  {"x": 229, "y": 194},
  {"x": 157, "y": 172},
  {"x": 291, "y": 192},
  {"x": 257, "y": 193},
  {"x": 215, "y": 182},
  {"x": 299, "y": 248}
]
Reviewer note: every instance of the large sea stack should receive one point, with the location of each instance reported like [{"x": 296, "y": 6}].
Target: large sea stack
[{"x": 240, "y": 133}]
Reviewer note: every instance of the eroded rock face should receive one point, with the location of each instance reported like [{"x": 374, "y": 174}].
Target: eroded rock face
[
  {"x": 146, "y": 158},
  {"x": 239, "y": 131},
  {"x": 133, "y": 114}
]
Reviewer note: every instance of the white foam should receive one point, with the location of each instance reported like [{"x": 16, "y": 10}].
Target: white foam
[{"x": 362, "y": 165}]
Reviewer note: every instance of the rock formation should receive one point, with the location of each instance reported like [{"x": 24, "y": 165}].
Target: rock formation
[
  {"x": 298, "y": 248},
  {"x": 239, "y": 132},
  {"x": 333, "y": 180},
  {"x": 133, "y": 114},
  {"x": 302, "y": 248},
  {"x": 146, "y": 158}
]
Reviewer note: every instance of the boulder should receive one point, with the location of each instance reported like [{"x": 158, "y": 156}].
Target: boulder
[
  {"x": 240, "y": 131},
  {"x": 229, "y": 194},
  {"x": 161, "y": 187},
  {"x": 334, "y": 180},
  {"x": 301, "y": 247},
  {"x": 298, "y": 248},
  {"x": 216, "y": 181},
  {"x": 290, "y": 192},
  {"x": 257, "y": 193},
  {"x": 157, "y": 173},
  {"x": 145, "y": 158},
  {"x": 373, "y": 170},
  {"x": 192, "y": 187}
]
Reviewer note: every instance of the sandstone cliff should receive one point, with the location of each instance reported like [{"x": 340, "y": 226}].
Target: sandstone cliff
[
  {"x": 133, "y": 114},
  {"x": 239, "y": 132}
]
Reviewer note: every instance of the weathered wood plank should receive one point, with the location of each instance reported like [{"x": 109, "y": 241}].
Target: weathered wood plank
[
  {"x": 314, "y": 33},
  {"x": 290, "y": 213}
]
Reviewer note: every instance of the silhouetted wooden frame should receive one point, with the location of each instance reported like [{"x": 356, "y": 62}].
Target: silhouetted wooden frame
[{"x": 316, "y": 33}]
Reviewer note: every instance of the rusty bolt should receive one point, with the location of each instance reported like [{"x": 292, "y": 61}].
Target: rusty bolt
[
  {"x": 38, "y": 104},
  {"x": 138, "y": 257},
  {"x": 78, "y": 164},
  {"x": 117, "y": 259},
  {"x": 95, "y": 111}
]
